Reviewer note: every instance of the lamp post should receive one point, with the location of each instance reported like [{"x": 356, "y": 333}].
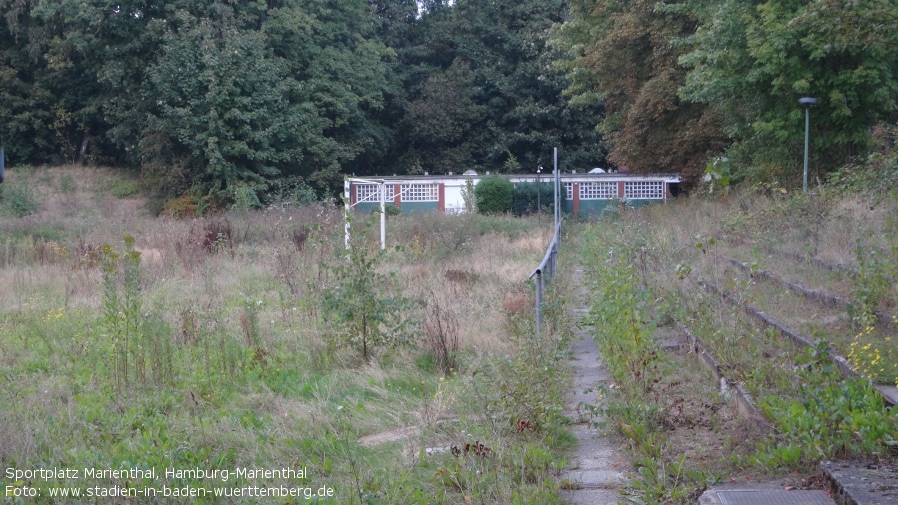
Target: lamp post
[{"x": 807, "y": 102}]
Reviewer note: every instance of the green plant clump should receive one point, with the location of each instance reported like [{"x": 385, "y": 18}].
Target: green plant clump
[
  {"x": 494, "y": 195},
  {"x": 18, "y": 200},
  {"x": 364, "y": 311},
  {"x": 837, "y": 419}
]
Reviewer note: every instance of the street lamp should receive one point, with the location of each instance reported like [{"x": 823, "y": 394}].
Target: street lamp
[{"x": 806, "y": 102}]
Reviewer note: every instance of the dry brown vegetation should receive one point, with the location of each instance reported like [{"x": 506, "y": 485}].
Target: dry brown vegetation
[{"x": 232, "y": 359}]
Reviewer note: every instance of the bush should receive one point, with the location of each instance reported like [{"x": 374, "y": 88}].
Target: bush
[
  {"x": 494, "y": 195},
  {"x": 529, "y": 197},
  {"x": 18, "y": 200}
]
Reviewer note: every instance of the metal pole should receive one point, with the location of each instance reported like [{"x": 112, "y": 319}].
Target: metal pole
[
  {"x": 346, "y": 189},
  {"x": 2, "y": 161},
  {"x": 539, "y": 301},
  {"x": 807, "y": 126},
  {"x": 383, "y": 216},
  {"x": 557, "y": 178},
  {"x": 538, "y": 199}
]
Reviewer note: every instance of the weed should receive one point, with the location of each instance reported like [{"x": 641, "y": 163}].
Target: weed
[
  {"x": 875, "y": 356},
  {"x": 138, "y": 346},
  {"x": 835, "y": 419},
  {"x": 67, "y": 183},
  {"x": 872, "y": 284},
  {"x": 122, "y": 189},
  {"x": 441, "y": 331},
  {"x": 533, "y": 379},
  {"x": 19, "y": 199}
]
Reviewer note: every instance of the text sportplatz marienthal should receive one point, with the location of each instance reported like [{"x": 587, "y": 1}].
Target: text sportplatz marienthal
[{"x": 151, "y": 482}]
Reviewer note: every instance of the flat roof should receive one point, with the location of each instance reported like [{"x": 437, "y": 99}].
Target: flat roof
[{"x": 546, "y": 176}]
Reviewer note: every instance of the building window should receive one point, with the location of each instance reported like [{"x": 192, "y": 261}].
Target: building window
[
  {"x": 420, "y": 193},
  {"x": 569, "y": 188},
  {"x": 598, "y": 190},
  {"x": 644, "y": 190},
  {"x": 369, "y": 193}
]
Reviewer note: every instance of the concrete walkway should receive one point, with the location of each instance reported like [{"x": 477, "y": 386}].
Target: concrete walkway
[{"x": 597, "y": 471}]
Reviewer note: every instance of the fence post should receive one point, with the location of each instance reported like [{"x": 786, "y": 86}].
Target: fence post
[{"x": 539, "y": 301}]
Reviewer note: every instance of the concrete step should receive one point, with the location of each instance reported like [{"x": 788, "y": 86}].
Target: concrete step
[{"x": 756, "y": 496}]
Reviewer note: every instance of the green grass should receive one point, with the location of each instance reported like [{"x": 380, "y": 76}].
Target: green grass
[{"x": 229, "y": 363}]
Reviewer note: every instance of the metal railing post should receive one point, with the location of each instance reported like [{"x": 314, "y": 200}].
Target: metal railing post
[
  {"x": 539, "y": 301},
  {"x": 550, "y": 261}
]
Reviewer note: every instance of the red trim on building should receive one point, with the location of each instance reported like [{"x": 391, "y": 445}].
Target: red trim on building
[
  {"x": 620, "y": 189},
  {"x": 576, "y": 191},
  {"x": 441, "y": 195},
  {"x": 352, "y": 191},
  {"x": 397, "y": 195}
]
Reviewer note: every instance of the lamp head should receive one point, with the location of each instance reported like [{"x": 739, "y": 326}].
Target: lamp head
[{"x": 807, "y": 101}]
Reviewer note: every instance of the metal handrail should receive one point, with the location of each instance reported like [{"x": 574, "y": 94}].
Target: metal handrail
[{"x": 545, "y": 271}]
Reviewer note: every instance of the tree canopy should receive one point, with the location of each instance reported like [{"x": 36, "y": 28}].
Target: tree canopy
[
  {"x": 682, "y": 80},
  {"x": 215, "y": 98}
]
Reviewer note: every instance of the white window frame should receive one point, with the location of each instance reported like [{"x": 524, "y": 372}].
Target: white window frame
[
  {"x": 644, "y": 190},
  {"x": 365, "y": 193},
  {"x": 605, "y": 190},
  {"x": 427, "y": 192}
]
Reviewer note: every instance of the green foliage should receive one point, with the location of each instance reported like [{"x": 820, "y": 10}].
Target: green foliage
[
  {"x": 717, "y": 175},
  {"x": 875, "y": 176},
  {"x": 623, "y": 313},
  {"x": 751, "y": 63},
  {"x": 18, "y": 199},
  {"x": 529, "y": 197},
  {"x": 873, "y": 282},
  {"x": 121, "y": 188},
  {"x": 494, "y": 195},
  {"x": 467, "y": 195},
  {"x": 139, "y": 348},
  {"x": 835, "y": 419},
  {"x": 625, "y": 56},
  {"x": 290, "y": 191},
  {"x": 483, "y": 90},
  {"x": 200, "y": 86},
  {"x": 361, "y": 304},
  {"x": 533, "y": 379}
]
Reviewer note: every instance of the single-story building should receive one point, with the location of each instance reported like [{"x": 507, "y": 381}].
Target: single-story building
[{"x": 582, "y": 194}]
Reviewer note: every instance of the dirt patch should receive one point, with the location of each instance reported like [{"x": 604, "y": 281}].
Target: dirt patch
[{"x": 390, "y": 436}]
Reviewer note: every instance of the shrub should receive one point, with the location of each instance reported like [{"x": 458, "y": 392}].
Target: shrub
[
  {"x": 361, "y": 305},
  {"x": 493, "y": 195},
  {"x": 529, "y": 197},
  {"x": 18, "y": 200}
]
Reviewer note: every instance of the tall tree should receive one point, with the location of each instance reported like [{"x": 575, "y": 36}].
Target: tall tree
[
  {"x": 752, "y": 61},
  {"x": 513, "y": 84},
  {"x": 626, "y": 57}
]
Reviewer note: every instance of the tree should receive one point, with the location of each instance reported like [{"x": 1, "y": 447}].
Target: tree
[
  {"x": 361, "y": 305},
  {"x": 752, "y": 61},
  {"x": 441, "y": 118},
  {"x": 625, "y": 56},
  {"x": 495, "y": 57},
  {"x": 222, "y": 111}
]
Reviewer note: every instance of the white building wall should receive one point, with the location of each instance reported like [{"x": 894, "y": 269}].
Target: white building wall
[{"x": 455, "y": 203}]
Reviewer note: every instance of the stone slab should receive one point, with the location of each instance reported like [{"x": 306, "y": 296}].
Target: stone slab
[
  {"x": 860, "y": 484},
  {"x": 592, "y": 497},
  {"x": 757, "y": 495}
]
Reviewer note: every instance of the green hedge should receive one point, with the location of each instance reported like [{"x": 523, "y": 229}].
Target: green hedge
[{"x": 494, "y": 195}]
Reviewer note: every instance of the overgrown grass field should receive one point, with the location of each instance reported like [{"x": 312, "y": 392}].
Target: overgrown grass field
[
  {"x": 658, "y": 271},
  {"x": 227, "y": 342}
]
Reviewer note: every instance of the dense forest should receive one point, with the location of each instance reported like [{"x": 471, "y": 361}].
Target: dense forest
[{"x": 220, "y": 97}]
